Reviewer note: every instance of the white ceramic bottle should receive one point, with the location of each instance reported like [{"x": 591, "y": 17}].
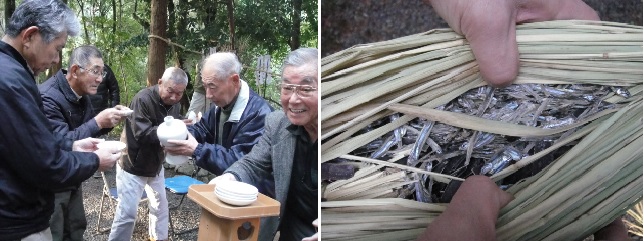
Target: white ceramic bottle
[{"x": 172, "y": 129}]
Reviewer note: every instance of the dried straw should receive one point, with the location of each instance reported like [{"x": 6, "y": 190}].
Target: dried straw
[{"x": 594, "y": 182}]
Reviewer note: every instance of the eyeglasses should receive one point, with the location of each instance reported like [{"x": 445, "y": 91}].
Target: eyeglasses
[
  {"x": 94, "y": 72},
  {"x": 303, "y": 91}
]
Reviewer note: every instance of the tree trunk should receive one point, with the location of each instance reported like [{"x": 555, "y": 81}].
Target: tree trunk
[
  {"x": 53, "y": 69},
  {"x": 9, "y": 8},
  {"x": 172, "y": 20},
  {"x": 231, "y": 23},
  {"x": 113, "y": 37},
  {"x": 83, "y": 20},
  {"x": 211, "y": 14},
  {"x": 158, "y": 48},
  {"x": 145, "y": 24},
  {"x": 295, "y": 28}
]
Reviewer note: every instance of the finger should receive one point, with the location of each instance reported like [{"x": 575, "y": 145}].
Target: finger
[
  {"x": 492, "y": 38},
  {"x": 116, "y": 156},
  {"x": 504, "y": 198},
  {"x": 312, "y": 238},
  {"x": 96, "y": 141},
  {"x": 176, "y": 142}
]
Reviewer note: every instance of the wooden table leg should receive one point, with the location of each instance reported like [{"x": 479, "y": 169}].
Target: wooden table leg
[{"x": 212, "y": 227}]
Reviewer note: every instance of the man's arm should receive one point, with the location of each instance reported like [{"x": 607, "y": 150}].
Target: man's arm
[
  {"x": 28, "y": 145},
  {"x": 258, "y": 164},
  {"x": 217, "y": 158},
  {"x": 58, "y": 122},
  {"x": 143, "y": 129}
]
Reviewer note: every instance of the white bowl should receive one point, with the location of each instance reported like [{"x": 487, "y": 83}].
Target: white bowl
[
  {"x": 219, "y": 194},
  {"x": 236, "y": 202},
  {"x": 125, "y": 112},
  {"x": 252, "y": 195},
  {"x": 237, "y": 188},
  {"x": 114, "y": 146},
  {"x": 235, "y": 195},
  {"x": 176, "y": 160}
]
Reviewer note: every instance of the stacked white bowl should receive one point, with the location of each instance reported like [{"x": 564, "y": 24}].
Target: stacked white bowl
[{"x": 236, "y": 193}]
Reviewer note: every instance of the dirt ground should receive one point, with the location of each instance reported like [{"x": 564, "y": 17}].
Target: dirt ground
[{"x": 185, "y": 218}]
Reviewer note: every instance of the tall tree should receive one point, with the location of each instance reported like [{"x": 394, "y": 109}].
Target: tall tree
[
  {"x": 82, "y": 11},
  {"x": 231, "y": 23},
  {"x": 138, "y": 18},
  {"x": 295, "y": 28},
  {"x": 158, "y": 47},
  {"x": 9, "y": 7},
  {"x": 53, "y": 69}
]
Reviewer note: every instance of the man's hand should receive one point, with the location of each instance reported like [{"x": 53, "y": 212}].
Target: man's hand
[
  {"x": 182, "y": 147},
  {"x": 188, "y": 121},
  {"x": 472, "y": 213},
  {"x": 108, "y": 118},
  {"x": 316, "y": 224},
  {"x": 490, "y": 28},
  {"x": 107, "y": 158},
  {"x": 86, "y": 145},
  {"x": 226, "y": 177}
]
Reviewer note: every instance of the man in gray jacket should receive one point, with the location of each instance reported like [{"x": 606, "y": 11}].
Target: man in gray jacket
[{"x": 288, "y": 152}]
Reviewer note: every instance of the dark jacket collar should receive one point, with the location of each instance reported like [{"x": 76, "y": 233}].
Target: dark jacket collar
[
  {"x": 13, "y": 53},
  {"x": 157, "y": 96},
  {"x": 64, "y": 86}
]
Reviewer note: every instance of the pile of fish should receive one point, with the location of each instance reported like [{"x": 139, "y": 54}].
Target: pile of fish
[{"x": 459, "y": 152}]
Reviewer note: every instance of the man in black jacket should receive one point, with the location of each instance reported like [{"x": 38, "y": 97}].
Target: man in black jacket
[
  {"x": 66, "y": 103},
  {"x": 107, "y": 95},
  {"x": 230, "y": 130},
  {"x": 33, "y": 160},
  {"x": 142, "y": 167}
]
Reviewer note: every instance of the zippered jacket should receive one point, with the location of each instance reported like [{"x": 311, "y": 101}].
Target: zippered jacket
[{"x": 144, "y": 152}]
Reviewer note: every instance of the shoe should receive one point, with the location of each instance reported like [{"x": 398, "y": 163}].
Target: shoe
[{"x": 97, "y": 174}]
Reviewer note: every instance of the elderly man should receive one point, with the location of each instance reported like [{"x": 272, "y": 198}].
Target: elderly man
[
  {"x": 107, "y": 94},
  {"x": 33, "y": 160},
  {"x": 142, "y": 168},
  {"x": 67, "y": 105},
  {"x": 230, "y": 130},
  {"x": 287, "y": 151}
]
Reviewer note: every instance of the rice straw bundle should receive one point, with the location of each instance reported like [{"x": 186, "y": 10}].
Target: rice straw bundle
[{"x": 584, "y": 189}]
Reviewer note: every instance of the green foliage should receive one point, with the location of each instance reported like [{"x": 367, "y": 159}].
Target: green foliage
[{"x": 261, "y": 28}]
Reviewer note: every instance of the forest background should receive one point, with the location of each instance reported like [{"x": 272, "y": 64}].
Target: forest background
[{"x": 140, "y": 38}]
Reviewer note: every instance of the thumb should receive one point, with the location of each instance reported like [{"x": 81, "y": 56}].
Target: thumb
[
  {"x": 504, "y": 198},
  {"x": 95, "y": 140},
  {"x": 492, "y": 38},
  {"x": 116, "y": 156}
]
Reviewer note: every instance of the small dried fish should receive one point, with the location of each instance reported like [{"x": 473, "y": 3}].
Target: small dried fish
[{"x": 449, "y": 150}]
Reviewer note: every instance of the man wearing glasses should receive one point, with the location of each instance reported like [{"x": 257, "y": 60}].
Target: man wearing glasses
[
  {"x": 68, "y": 108},
  {"x": 287, "y": 152},
  {"x": 230, "y": 129}
]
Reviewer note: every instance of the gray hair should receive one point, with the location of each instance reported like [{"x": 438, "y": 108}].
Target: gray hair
[
  {"x": 52, "y": 17},
  {"x": 175, "y": 75},
  {"x": 224, "y": 63},
  {"x": 81, "y": 55},
  {"x": 300, "y": 57}
]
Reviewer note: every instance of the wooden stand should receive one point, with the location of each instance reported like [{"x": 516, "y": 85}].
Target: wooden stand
[{"x": 221, "y": 221}]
